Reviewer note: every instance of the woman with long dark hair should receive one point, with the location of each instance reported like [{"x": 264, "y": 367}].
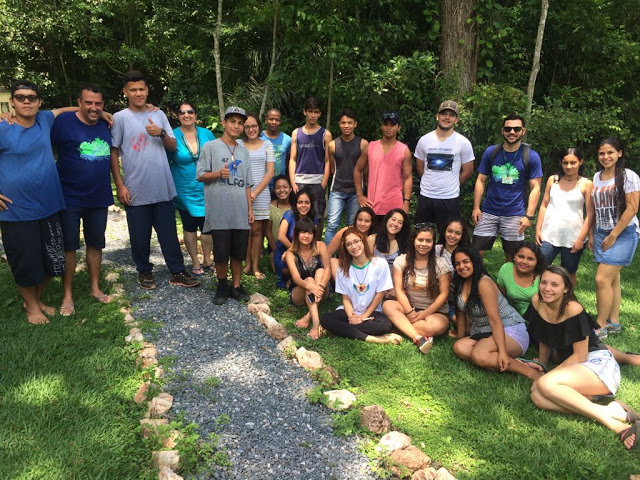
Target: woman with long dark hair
[
  {"x": 518, "y": 280},
  {"x": 392, "y": 236}
]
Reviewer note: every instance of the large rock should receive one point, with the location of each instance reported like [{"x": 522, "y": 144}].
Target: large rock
[
  {"x": 443, "y": 474},
  {"x": 277, "y": 332},
  {"x": 634, "y": 477},
  {"x": 161, "y": 404},
  {"x": 286, "y": 343},
  {"x": 332, "y": 373},
  {"x": 309, "y": 360},
  {"x": 171, "y": 439},
  {"x": 112, "y": 277},
  {"x": 394, "y": 441},
  {"x": 412, "y": 458},
  {"x": 375, "y": 419},
  {"x": 166, "y": 473},
  {"x": 339, "y": 399},
  {"x": 166, "y": 458},
  {"x": 256, "y": 308},
  {"x": 141, "y": 394},
  {"x": 147, "y": 356},
  {"x": 135, "y": 335},
  {"x": 150, "y": 426},
  {"x": 259, "y": 298},
  {"x": 266, "y": 320},
  {"x": 425, "y": 474}
]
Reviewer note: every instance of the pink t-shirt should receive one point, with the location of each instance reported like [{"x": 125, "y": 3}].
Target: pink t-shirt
[{"x": 385, "y": 177}]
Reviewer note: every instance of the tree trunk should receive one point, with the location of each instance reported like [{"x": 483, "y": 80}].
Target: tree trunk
[
  {"x": 457, "y": 45},
  {"x": 535, "y": 68},
  {"x": 273, "y": 58},
  {"x": 216, "y": 58}
]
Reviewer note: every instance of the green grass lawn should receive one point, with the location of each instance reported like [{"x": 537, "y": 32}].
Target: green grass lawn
[
  {"x": 66, "y": 391},
  {"x": 480, "y": 424}
]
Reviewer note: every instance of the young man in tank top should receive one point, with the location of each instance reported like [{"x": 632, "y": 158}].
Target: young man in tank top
[
  {"x": 344, "y": 153},
  {"x": 309, "y": 163},
  {"x": 390, "y": 170}
]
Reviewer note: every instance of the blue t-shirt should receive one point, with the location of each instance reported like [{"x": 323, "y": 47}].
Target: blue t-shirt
[
  {"x": 189, "y": 191},
  {"x": 282, "y": 150},
  {"x": 28, "y": 174},
  {"x": 507, "y": 181},
  {"x": 84, "y": 161}
]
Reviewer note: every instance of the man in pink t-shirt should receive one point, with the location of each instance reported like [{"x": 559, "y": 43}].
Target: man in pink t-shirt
[{"x": 390, "y": 170}]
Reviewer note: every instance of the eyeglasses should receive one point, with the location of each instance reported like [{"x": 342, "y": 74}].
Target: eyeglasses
[
  {"x": 353, "y": 244},
  {"x": 21, "y": 98},
  {"x": 509, "y": 129},
  {"x": 251, "y": 127},
  {"x": 420, "y": 226},
  {"x": 191, "y": 111}
]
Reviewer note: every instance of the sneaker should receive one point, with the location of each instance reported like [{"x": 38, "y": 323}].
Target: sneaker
[
  {"x": 222, "y": 294},
  {"x": 184, "y": 279},
  {"x": 239, "y": 294},
  {"x": 601, "y": 333},
  {"x": 613, "y": 327},
  {"x": 424, "y": 344},
  {"x": 146, "y": 281}
]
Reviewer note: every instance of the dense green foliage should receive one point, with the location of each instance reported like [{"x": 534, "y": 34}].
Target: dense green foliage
[{"x": 381, "y": 55}]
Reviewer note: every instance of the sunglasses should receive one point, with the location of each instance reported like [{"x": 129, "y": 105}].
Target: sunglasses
[
  {"x": 420, "y": 226},
  {"x": 21, "y": 98},
  {"x": 191, "y": 111},
  {"x": 509, "y": 129}
]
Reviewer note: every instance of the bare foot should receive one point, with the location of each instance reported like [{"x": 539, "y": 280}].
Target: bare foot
[
  {"x": 67, "y": 310},
  {"x": 37, "y": 318},
  {"x": 313, "y": 334},
  {"x": 259, "y": 275},
  {"x": 628, "y": 436},
  {"x": 46, "y": 309},
  {"x": 247, "y": 271},
  {"x": 303, "y": 322},
  {"x": 453, "y": 334},
  {"x": 102, "y": 297},
  {"x": 617, "y": 411},
  {"x": 392, "y": 338}
]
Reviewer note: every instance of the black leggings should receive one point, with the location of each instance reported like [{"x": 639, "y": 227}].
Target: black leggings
[{"x": 337, "y": 322}]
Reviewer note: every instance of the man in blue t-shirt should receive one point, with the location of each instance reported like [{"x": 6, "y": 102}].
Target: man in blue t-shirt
[
  {"x": 504, "y": 208},
  {"x": 281, "y": 144},
  {"x": 31, "y": 198},
  {"x": 83, "y": 143}
]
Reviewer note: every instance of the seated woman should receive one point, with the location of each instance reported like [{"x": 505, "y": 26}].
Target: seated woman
[
  {"x": 302, "y": 206},
  {"x": 277, "y": 209},
  {"x": 365, "y": 222},
  {"x": 421, "y": 282},
  {"x": 308, "y": 264},
  {"x": 498, "y": 333},
  {"x": 363, "y": 281},
  {"x": 391, "y": 239},
  {"x": 518, "y": 280},
  {"x": 586, "y": 368}
]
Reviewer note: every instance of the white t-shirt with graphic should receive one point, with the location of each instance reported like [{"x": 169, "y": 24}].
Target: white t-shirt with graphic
[
  {"x": 442, "y": 164},
  {"x": 604, "y": 199},
  {"x": 364, "y": 283}
]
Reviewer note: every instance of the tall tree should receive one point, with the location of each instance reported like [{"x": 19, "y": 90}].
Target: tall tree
[
  {"x": 216, "y": 57},
  {"x": 458, "y": 58},
  {"x": 535, "y": 68}
]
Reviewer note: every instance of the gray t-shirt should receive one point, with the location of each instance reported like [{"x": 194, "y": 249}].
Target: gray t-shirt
[
  {"x": 144, "y": 160},
  {"x": 225, "y": 200}
]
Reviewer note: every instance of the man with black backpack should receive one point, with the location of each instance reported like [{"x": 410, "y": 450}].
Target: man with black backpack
[{"x": 508, "y": 167}]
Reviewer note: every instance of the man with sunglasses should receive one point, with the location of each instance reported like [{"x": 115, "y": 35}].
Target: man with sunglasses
[
  {"x": 504, "y": 209},
  {"x": 31, "y": 198},
  {"x": 444, "y": 160}
]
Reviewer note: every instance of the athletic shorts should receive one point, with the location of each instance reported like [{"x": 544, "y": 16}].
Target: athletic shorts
[
  {"x": 94, "y": 224},
  {"x": 35, "y": 249},
  {"x": 487, "y": 229},
  {"x": 191, "y": 224},
  {"x": 230, "y": 244}
]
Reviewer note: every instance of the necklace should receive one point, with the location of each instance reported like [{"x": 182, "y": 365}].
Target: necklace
[
  {"x": 361, "y": 286},
  {"x": 232, "y": 152}
]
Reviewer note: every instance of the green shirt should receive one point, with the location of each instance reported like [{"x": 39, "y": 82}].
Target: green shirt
[{"x": 519, "y": 297}]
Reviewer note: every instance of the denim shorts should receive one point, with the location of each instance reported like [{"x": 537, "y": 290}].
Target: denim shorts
[
  {"x": 602, "y": 363},
  {"x": 621, "y": 253},
  {"x": 568, "y": 260}
]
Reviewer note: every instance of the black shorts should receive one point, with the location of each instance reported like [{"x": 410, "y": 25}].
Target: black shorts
[
  {"x": 94, "y": 224},
  {"x": 191, "y": 224},
  {"x": 437, "y": 210},
  {"x": 230, "y": 243},
  {"x": 319, "y": 196},
  {"x": 35, "y": 249}
]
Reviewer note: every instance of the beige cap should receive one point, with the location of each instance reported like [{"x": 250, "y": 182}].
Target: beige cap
[{"x": 449, "y": 105}]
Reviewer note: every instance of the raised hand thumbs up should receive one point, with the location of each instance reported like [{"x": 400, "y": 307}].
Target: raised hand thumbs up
[
  {"x": 153, "y": 129},
  {"x": 224, "y": 173}
]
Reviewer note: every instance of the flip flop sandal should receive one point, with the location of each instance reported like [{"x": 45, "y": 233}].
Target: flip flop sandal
[
  {"x": 259, "y": 275},
  {"x": 632, "y": 415},
  {"x": 67, "y": 310},
  {"x": 526, "y": 360},
  {"x": 627, "y": 432},
  {"x": 197, "y": 272},
  {"x": 104, "y": 298}
]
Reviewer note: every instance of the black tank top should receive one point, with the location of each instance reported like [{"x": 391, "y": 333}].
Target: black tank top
[{"x": 346, "y": 155}]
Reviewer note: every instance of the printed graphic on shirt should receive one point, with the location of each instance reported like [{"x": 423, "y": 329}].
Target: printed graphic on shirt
[
  {"x": 139, "y": 142},
  {"x": 506, "y": 174},
  {"x": 440, "y": 161},
  {"x": 605, "y": 204},
  {"x": 361, "y": 288},
  {"x": 419, "y": 282},
  {"x": 234, "y": 178},
  {"x": 95, "y": 150}
]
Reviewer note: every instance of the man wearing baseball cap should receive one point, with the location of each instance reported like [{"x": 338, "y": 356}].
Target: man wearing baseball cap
[
  {"x": 444, "y": 160},
  {"x": 390, "y": 170}
]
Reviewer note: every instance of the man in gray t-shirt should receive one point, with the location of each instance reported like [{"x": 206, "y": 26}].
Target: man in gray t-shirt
[
  {"x": 147, "y": 190},
  {"x": 225, "y": 169}
]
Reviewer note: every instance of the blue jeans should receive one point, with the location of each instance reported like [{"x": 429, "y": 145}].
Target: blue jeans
[
  {"x": 568, "y": 260},
  {"x": 337, "y": 202}
]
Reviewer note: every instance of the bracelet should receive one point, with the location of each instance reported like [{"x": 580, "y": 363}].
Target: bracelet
[
  {"x": 412, "y": 310},
  {"x": 406, "y": 199}
]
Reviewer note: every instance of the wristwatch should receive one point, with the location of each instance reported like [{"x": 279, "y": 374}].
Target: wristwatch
[
  {"x": 163, "y": 133},
  {"x": 530, "y": 217}
]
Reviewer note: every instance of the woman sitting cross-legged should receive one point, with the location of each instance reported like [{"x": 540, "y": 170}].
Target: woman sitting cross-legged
[
  {"x": 586, "y": 368},
  {"x": 363, "y": 281},
  {"x": 498, "y": 334},
  {"x": 421, "y": 282},
  {"x": 308, "y": 264}
]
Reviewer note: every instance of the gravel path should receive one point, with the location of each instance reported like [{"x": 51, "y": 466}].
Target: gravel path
[{"x": 273, "y": 432}]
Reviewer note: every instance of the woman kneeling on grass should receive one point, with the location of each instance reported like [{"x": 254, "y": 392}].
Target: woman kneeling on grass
[
  {"x": 308, "y": 264},
  {"x": 498, "y": 332},
  {"x": 586, "y": 368},
  {"x": 421, "y": 282},
  {"x": 363, "y": 281}
]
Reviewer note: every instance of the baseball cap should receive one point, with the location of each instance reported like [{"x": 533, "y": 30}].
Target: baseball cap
[
  {"x": 235, "y": 111},
  {"x": 449, "y": 105},
  {"x": 394, "y": 117}
]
